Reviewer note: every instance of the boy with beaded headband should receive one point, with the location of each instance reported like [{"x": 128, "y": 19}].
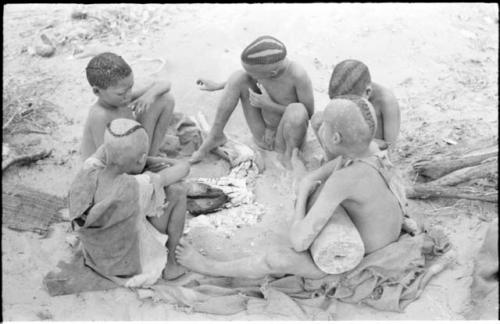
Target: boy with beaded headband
[
  {"x": 276, "y": 96},
  {"x": 112, "y": 81},
  {"x": 129, "y": 222}
]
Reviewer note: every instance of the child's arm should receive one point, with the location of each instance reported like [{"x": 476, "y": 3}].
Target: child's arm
[
  {"x": 304, "y": 230},
  {"x": 305, "y": 92},
  {"x": 143, "y": 97},
  {"x": 176, "y": 172},
  {"x": 97, "y": 122},
  {"x": 314, "y": 178},
  {"x": 209, "y": 85},
  {"x": 391, "y": 118}
]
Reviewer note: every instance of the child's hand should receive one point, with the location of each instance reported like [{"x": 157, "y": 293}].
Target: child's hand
[
  {"x": 382, "y": 145},
  {"x": 262, "y": 100},
  {"x": 207, "y": 85},
  {"x": 306, "y": 188},
  {"x": 142, "y": 104},
  {"x": 156, "y": 164}
]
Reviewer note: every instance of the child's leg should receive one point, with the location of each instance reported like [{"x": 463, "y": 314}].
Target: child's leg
[
  {"x": 156, "y": 121},
  {"x": 172, "y": 223},
  {"x": 292, "y": 129},
  {"x": 236, "y": 88},
  {"x": 276, "y": 261}
]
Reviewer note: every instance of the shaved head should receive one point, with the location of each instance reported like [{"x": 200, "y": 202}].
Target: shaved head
[
  {"x": 349, "y": 77},
  {"x": 126, "y": 141},
  {"x": 353, "y": 117}
]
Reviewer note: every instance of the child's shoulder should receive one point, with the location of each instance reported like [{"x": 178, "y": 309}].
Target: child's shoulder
[
  {"x": 297, "y": 70},
  {"x": 97, "y": 112},
  {"x": 349, "y": 171},
  {"x": 382, "y": 95}
]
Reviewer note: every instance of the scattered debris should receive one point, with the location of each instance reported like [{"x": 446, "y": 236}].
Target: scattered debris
[
  {"x": 25, "y": 159},
  {"x": 45, "y": 48}
]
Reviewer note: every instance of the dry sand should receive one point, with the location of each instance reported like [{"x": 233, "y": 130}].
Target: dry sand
[{"x": 440, "y": 60}]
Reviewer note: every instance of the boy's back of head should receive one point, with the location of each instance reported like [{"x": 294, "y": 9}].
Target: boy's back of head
[
  {"x": 106, "y": 69},
  {"x": 126, "y": 143},
  {"x": 264, "y": 50},
  {"x": 349, "y": 77},
  {"x": 353, "y": 117}
]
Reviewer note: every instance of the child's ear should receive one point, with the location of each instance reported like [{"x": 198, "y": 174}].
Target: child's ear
[
  {"x": 143, "y": 158},
  {"x": 368, "y": 91},
  {"x": 96, "y": 90},
  {"x": 336, "y": 138}
]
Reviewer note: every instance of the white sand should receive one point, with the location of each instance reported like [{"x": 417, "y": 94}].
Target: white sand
[{"x": 441, "y": 61}]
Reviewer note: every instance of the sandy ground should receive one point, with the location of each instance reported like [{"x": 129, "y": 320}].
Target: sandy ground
[{"x": 440, "y": 60}]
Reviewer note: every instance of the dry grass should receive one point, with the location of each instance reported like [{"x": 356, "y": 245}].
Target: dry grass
[{"x": 24, "y": 108}]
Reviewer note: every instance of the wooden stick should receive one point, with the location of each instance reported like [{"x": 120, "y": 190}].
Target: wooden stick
[
  {"x": 437, "y": 168},
  {"x": 25, "y": 159},
  {"x": 424, "y": 191},
  {"x": 338, "y": 247},
  {"x": 483, "y": 170}
]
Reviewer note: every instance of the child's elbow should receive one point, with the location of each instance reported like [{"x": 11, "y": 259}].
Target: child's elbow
[
  {"x": 185, "y": 167},
  {"x": 299, "y": 246},
  {"x": 298, "y": 243}
]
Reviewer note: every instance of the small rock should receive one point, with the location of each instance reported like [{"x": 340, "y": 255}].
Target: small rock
[
  {"x": 45, "y": 47},
  {"x": 79, "y": 15}
]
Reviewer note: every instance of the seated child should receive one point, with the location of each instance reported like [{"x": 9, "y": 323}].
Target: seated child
[
  {"x": 128, "y": 228},
  {"x": 276, "y": 96},
  {"x": 358, "y": 183},
  {"x": 351, "y": 77},
  {"x": 112, "y": 81}
]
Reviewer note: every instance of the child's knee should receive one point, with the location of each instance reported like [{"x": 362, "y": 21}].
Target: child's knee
[
  {"x": 316, "y": 120},
  {"x": 296, "y": 114},
  {"x": 176, "y": 191},
  {"x": 238, "y": 81},
  {"x": 167, "y": 102},
  {"x": 278, "y": 260}
]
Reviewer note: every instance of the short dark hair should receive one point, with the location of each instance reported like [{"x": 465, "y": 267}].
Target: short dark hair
[
  {"x": 349, "y": 77},
  {"x": 106, "y": 69},
  {"x": 264, "y": 50}
]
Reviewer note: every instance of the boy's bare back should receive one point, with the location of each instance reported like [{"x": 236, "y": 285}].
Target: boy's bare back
[
  {"x": 358, "y": 180},
  {"x": 373, "y": 208}
]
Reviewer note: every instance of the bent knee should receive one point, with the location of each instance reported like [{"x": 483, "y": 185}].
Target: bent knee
[
  {"x": 239, "y": 80},
  {"x": 163, "y": 104},
  {"x": 296, "y": 114},
  {"x": 177, "y": 190},
  {"x": 278, "y": 261},
  {"x": 316, "y": 120},
  {"x": 167, "y": 101}
]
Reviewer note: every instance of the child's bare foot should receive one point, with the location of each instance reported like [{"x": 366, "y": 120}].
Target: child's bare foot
[
  {"x": 208, "y": 145},
  {"x": 173, "y": 270},
  {"x": 187, "y": 255}
]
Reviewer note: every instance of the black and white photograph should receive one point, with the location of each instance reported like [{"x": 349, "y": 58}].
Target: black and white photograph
[{"x": 250, "y": 162}]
